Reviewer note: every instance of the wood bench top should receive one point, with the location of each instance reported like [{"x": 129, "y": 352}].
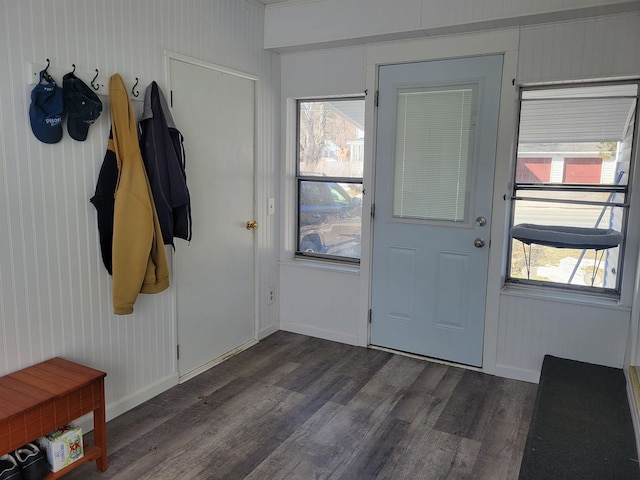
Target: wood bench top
[{"x": 40, "y": 383}]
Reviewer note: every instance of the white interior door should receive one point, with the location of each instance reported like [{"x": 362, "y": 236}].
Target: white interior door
[
  {"x": 436, "y": 142},
  {"x": 214, "y": 273}
]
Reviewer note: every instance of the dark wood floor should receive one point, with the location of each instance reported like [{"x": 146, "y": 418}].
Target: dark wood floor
[{"x": 296, "y": 407}]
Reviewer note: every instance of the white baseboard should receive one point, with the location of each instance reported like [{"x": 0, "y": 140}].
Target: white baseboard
[
  {"x": 216, "y": 361},
  {"x": 334, "y": 336},
  {"x": 117, "y": 408},
  {"x": 266, "y": 331},
  {"x": 515, "y": 373}
]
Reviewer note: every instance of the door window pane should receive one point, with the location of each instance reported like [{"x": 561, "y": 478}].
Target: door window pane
[{"x": 434, "y": 152}]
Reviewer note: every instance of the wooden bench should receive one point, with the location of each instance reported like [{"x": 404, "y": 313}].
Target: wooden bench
[{"x": 41, "y": 398}]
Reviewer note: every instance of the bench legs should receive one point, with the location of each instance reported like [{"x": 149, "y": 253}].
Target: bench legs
[{"x": 100, "y": 431}]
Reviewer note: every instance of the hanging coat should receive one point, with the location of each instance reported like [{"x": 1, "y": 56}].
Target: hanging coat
[
  {"x": 103, "y": 200},
  {"x": 161, "y": 144},
  {"x": 139, "y": 260}
]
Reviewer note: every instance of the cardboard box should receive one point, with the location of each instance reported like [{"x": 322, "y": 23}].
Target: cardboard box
[{"x": 63, "y": 446}]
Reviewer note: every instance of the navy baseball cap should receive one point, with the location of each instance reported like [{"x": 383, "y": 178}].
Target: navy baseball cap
[
  {"x": 45, "y": 111},
  {"x": 82, "y": 105}
]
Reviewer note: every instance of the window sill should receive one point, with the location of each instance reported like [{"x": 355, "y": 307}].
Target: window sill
[
  {"x": 319, "y": 264},
  {"x": 564, "y": 296}
]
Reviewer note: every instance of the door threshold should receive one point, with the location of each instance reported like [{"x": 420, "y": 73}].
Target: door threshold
[
  {"x": 216, "y": 361},
  {"x": 425, "y": 358}
]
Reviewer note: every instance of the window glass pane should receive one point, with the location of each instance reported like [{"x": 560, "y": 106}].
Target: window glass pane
[
  {"x": 434, "y": 153},
  {"x": 574, "y": 145},
  {"x": 573, "y": 266},
  {"x": 601, "y": 163},
  {"x": 566, "y": 213},
  {"x": 331, "y": 138},
  {"x": 576, "y": 135},
  {"x": 565, "y": 265},
  {"x": 329, "y": 170},
  {"x": 330, "y": 218}
]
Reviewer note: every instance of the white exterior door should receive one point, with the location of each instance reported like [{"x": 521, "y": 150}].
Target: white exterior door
[
  {"x": 436, "y": 142},
  {"x": 214, "y": 273}
]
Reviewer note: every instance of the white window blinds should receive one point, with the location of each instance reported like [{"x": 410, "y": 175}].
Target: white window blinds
[{"x": 434, "y": 152}]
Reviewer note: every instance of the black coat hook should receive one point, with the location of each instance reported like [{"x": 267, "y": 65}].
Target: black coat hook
[
  {"x": 74, "y": 68},
  {"x": 133, "y": 89},
  {"x": 95, "y": 87},
  {"x": 45, "y": 72}
]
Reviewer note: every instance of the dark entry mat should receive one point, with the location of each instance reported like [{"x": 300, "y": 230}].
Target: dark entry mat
[{"x": 581, "y": 426}]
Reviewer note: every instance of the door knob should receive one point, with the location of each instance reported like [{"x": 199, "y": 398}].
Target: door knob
[
  {"x": 481, "y": 221},
  {"x": 252, "y": 225},
  {"x": 478, "y": 242}
]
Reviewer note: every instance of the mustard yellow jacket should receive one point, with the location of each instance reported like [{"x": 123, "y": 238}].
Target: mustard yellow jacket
[{"x": 139, "y": 259}]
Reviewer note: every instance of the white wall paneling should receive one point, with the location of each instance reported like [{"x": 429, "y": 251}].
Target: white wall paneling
[
  {"x": 55, "y": 295},
  {"x": 100, "y": 83},
  {"x": 324, "y": 73},
  {"x": 320, "y": 301},
  {"x": 604, "y": 47},
  {"x": 531, "y": 327},
  {"x": 315, "y": 299},
  {"x": 521, "y": 327}
]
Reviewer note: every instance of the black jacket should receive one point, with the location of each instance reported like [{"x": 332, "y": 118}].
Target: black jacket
[
  {"x": 104, "y": 201},
  {"x": 161, "y": 144}
]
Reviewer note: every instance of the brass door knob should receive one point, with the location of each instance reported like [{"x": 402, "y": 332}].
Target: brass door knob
[{"x": 251, "y": 225}]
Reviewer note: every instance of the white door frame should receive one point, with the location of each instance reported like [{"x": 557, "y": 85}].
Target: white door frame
[
  {"x": 466, "y": 45},
  {"x": 168, "y": 56}
]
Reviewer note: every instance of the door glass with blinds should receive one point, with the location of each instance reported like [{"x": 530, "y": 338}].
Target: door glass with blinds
[{"x": 433, "y": 168}]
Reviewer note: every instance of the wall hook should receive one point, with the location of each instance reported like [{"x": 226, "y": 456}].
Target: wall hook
[
  {"x": 45, "y": 72},
  {"x": 74, "y": 68},
  {"x": 133, "y": 89},
  {"x": 95, "y": 87}
]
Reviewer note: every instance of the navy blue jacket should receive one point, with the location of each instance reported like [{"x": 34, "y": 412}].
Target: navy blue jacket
[{"x": 161, "y": 145}]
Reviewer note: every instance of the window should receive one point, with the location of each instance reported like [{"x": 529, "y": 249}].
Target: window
[
  {"x": 571, "y": 189},
  {"x": 434, "y": 150},
  {"x": 329, "y": 178}
]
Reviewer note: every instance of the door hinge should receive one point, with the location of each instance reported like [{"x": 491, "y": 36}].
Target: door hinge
[
  {"x": 171, "y": 97},
  {"x": 373, "y": 210},
  {"x": 178, "y": 351},
  {"x": 369, "y": 315},
  {"x": 377, "y": 97}
]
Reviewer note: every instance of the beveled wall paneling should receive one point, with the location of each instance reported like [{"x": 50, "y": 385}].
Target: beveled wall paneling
[{"x": 55, "y": 295}]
